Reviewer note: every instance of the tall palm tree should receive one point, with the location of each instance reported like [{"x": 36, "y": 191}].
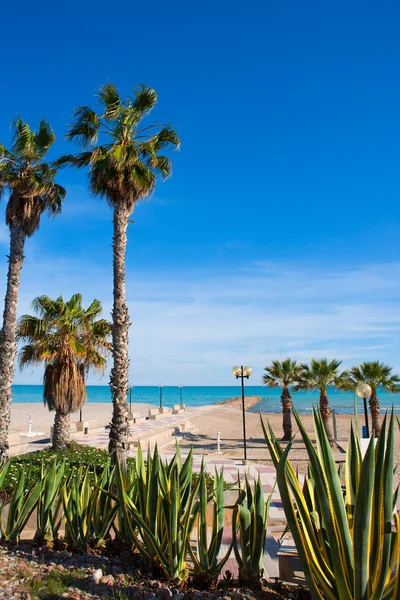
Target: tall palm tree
[
  {"x": 378, "y": 376},
  {"x": 30, "y": 183},
  {"x": 124, "y": 161},
  {"x": 284, "y": 374},
  {"x": 69, "y": 340},
  {"x": 320, "y": 375}
]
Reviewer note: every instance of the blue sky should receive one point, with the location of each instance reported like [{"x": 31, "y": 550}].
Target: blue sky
[{"x": 278, "y": 233}]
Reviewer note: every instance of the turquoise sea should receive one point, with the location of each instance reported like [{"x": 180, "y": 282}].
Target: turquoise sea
[{"x": 342, "y": 402}]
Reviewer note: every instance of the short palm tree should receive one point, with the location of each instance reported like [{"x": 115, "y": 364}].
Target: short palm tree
[
  {"x": 32, "y": 190},
  {"x": 378, "y": 376},
  {"x": 69, "y": 340},
  {"x": 123, "y": 161},
  {"x": 284, "y": 374},
  {"x": 320, "y": 375}
]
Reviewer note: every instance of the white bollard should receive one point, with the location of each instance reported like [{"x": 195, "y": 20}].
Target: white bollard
[
  {"x": 219, "y": 442},
  {"x": 31, "y": 433}
]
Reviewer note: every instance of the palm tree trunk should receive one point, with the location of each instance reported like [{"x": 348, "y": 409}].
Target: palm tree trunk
[
  {"x": 326, "y": 415},
  {"x": 286, "y": 400},
  {"x": 61, "y": 431},
  {"x": 374, "y": 407},
  {"x": 8, "y": 344},
  {"x": 119, "y": 431}
]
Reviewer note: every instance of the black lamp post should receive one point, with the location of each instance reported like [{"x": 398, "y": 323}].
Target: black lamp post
[
  {"x": 242, "y": 373},
  {"x": 160, "y": 395},
  {"x": 364, "y": 391},
  {"x": 180, "y": 394},
  {"x": 130, "y": 398}
]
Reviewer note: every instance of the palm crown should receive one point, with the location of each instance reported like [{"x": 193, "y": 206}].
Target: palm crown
[
  {"x": 376, "y": 374},
  {"x": 69, "y": 340},
  {"x": 124, "y": 166},
  {"x": 28, "y": 177},
  {"x": 320, "y": 374},
  {"x": 283, "y": 373}
]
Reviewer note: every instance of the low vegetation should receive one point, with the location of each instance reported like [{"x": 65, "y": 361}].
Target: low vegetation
[
  {"x": 347, "y": 537},
  {"x": 149, "y": 506}
]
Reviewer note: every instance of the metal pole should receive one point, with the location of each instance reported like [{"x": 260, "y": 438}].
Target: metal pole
[
  {"x": 180, "y": 392},
  {"x": 160, "y": 396},
  {"x": 244, "y": 417},
  {"x": 80, "y": 415},
  {"x": 130, "y": 399},
  {"x": 334, "y": 425},
  {"x": 366, "y": 417}
]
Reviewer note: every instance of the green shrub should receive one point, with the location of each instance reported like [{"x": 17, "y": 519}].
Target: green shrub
[{"x": 73, "y": 457}]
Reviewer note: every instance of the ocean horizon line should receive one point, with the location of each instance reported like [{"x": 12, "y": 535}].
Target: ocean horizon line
[{"x": 342, "y": 402}]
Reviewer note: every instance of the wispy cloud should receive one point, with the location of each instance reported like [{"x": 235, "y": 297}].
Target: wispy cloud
[{"x": 191, "y": 327}]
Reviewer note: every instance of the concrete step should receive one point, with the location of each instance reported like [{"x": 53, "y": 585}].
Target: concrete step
[
  {"x": 161, "y": 445},
  {"x": 17, "y": 449},
  {"x": 14, "y": 439},
  {"x": 145, "y": 437}
]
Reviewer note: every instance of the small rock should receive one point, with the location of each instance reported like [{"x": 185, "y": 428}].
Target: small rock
[
  {"x": 133, "y": 589},
  {"x": 163, "y": 593},
  {"x": 125, "y": 556},
  {"x": 116, "y": 569},
  {"x": 64, "y": 555},
  {"x": 107, "y": 580},
  {"x": 95, "y": 577},
  {"x": 174, "y": 591}
]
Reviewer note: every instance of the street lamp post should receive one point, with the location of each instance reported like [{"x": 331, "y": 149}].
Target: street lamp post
[
  {"x": 242, "y": 373},
  {"x": 160, "y": 396},
  {"x": 180, "y": 394},
  {"x": 130, "y": 399},
  {"x": 364, "y": 391}
]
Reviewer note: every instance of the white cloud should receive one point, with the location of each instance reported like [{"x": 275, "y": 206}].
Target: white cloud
[{"x": 191, "y": 327}]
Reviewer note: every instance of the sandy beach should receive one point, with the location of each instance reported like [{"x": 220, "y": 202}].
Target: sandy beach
[
  {"x": 43, "y": 419},
  {"x": 225, "y": 418}
]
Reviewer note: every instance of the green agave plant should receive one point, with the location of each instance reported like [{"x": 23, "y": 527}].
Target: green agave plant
[
  {"x": 89, "y": 508},
  {"x": 122, "y": 526},
  {"x": 249, "y": 528},
  {"x": 16, "y": 510},
  {"x": 206, "y": 565},
  {"x": 49, "y": 514},
  {"x": 161, "y": 510},
  {"x": 347, "y": 537}
]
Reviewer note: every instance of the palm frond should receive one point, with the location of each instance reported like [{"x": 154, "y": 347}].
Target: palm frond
[
  {"x": 145, "y": 99},
  {"x": 84, "y": 128}
]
